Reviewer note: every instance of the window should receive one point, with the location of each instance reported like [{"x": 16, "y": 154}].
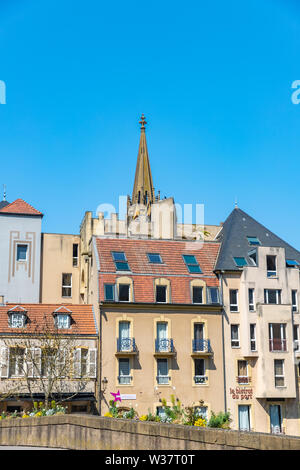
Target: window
[
  {"x": 294, "y": 301},
  {"x": 199, "y": 377},
  {"x": 243, "y": 372},
  {"x": 75, "y": 254},
  {"x": 253, "y": 337},
  {"x": 124, "y": 336},
  {"x": 22, "y": 252},
  {"x": 213, "y": 295},
  {"x": 154, "y": 258},
  {"x": 251, "y": 300},
  {"x": 235, "y": 341},
  {"x": 271, "y": 266},
  {"x": 120, "y": 261},
  {"x": 275, "y": 419},
  {"x": 253, "y": 257},
  {"x": 161, "y": 293},
  {"x": 163, "y": 343},
  {"x": 253, "y": 241},
  {"x": 109, "y": 292},
  {"x": 272, "y": 296},
  {"x": 296, "y": 337},
  {"x": 233, "y": 299},
  {"x": 63, "y": 320},
  {"x": 85, "y": 362},
  {"x": 17, "y": 320},
  {"x": 192, "y": 264},
  {"x": 16, "y": 361},
  {"x": 197, "y": 295},
  {"x": 124, "y": 292},
  {"x": 279, "y": 372},
  {"x": 291, "y": 263},
  {"x": 162, "y": 371},
  {"x": 277, "y": 336},
  {"x": 66, "y": 285},
  {"x": 244, "y": 417},
  {"x": 240, "y": 261},
  {"x": 124, "y": 371},
  {"x": 48, "y": 362}
]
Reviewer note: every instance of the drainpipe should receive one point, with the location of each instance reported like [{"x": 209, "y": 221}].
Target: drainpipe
[
  {"x": 223, "y": 344},
  {"x": 100, "y": 362}
]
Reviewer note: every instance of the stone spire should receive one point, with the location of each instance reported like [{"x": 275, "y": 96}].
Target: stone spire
[{"x": 143, "y": 191}]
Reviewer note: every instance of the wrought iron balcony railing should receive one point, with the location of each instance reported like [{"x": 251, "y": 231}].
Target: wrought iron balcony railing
[
  {"x": 201, "y": 345},
  {"x": 164, "y": 345},
  {"x": 124, "y": 379},
  {"x": 126, "y": 345},
  {"x": 200, "y": 379},
  {"x": 243, "y": 379}
]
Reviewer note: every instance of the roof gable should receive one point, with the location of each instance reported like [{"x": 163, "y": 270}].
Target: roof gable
[{"x": 20, "y": 207}]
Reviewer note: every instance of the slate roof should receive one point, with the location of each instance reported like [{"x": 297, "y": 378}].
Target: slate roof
[
  {"x": 3, "y": 204},
  {"x": 234, "y": 243},
  {"x": 19, "y": 207},
  {"x": 83, "y": 319}
]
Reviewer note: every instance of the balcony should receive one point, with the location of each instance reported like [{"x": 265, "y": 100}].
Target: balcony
[
  {"x": 243, "y": 380},
  {"x": 277, "y": 345},
  {"x": 163, "y": 379},
  {"x": 124, "y": 379},
  {"x": 200, "y": 379},
  {"x": 126, "y": 346},
  {"x": 201, "y": 347},
  {"x": 164, "y": 347}
]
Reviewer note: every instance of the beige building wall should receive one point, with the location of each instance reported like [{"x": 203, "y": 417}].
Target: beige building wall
[
  {"x": 57, "y": 259},
  {"x": 260, "y": 392},
  {"x": 144, "y": 393}
]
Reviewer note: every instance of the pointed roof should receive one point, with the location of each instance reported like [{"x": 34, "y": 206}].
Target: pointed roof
[
  {"x": 234, "y": 243},
  {"x": 19, "y": 207},
  {"x": 143, "y": 190}
]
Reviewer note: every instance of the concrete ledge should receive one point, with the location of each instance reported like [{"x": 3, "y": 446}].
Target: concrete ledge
[{"x": 80, "y": 432}]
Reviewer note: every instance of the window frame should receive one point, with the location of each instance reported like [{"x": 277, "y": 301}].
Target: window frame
[
  {"x": 234, "y": 307},
  {"x": 279, "y": 376},
  {"x": 165, "y": 287},
  {"x": 191, "y": 265},
  {"x": 193, "y": 296},
  {"x": 251, "y": 304},
  {"x": 18, "y": 259},
  {"x": 278, "y": 296},
  {"x": 122, "y": 262},
  {"x": 75, "y": 259},
  {"x": 154, "y": 262},
  {"x": 235, "y": 258},
  {"x": 233, "y": 340},
  {"x": 161, "y": 360},
  {"x": 113, "y": 286},
  {"x": 253, "y": 337},
  {"x": 271, "y": 273},
  {"x": 65, "y": 286},
  {"x": 294, "y": 293},
  {"x": 251, "y": 241}
]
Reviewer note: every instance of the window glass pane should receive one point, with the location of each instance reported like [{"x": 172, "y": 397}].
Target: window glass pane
[
  {"x": 190, "y": 259},
  {"x": 22, "y": 252},
  {"x": 197, "y": 295},
  {"x": 109, "y": 291},
  {"x": 154, "y": 258},
  {"x": 244, "y": 417},
  {"x": 213, "y": 295},
  {"x": 198, "y": 330},
  {"x": 161, "y": 293},
  {"x": 199, "y": 367},
  {"x": 124, "y": 292},
  {"x": 122, "y": 266},
  {"x": 253, "y": 241},
  {"x": 118, "y": 256},
  {"x": 240, "y": 261},
  {"x": 194, "y": 269},
  {"x": 63, "y": 321},
  {"x": 292, "y": 262}
]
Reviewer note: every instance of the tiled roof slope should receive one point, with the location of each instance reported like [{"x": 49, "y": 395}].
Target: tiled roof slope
[
  {"x": 144, "y": 273},
  {"x": 234, "y": 243},
  {"x": 83, "y": 321},
  {"x": 19, "y": 207}
]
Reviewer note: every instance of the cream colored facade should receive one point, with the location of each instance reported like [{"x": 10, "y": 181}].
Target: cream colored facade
[
  {"x": 60, "y": 270},
  {"x": 144, "y": 392},
  {"x": 258, "y": 388}
]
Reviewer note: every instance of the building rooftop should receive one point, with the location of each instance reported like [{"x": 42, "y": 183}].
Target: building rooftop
[{"x": 19, "y": 207}]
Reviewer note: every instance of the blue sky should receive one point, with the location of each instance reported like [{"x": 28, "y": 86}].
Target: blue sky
[{"x": 213, "y": 79}]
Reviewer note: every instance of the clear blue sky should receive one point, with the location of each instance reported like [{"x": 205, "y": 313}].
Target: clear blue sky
[{"x": 213, "y": 79}]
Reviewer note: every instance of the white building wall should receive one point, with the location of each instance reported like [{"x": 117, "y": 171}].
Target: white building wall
[{"x": 20, "y": 280}]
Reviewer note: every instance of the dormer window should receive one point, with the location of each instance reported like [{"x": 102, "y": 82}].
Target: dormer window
[
  {"x": 192, "y": 264},
  {"x": 120, "y": 260},
  {"x": 63, "y": 321}
]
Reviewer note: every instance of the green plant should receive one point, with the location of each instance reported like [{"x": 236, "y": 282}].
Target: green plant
[{"x": 220, "y": 420}]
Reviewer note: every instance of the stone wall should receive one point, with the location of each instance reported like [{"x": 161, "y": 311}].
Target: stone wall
[{"x": 80, "y": 432}]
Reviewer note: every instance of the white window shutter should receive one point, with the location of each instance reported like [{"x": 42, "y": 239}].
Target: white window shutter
[
  {"x": 92, "y": 362},
  {"x": 29, "y": 354},
  {"x": 77, "y": 362},
  {"x": 37, "y": 362},
  {"x": 4, "y": 362}
]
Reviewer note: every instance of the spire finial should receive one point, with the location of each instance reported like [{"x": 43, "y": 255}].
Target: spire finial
[
  {"x": 4, "y": 192},
  {"x": 235, "y": 203},
  {"x": 143, "y": 121}
]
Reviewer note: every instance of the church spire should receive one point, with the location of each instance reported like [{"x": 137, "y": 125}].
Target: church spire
[{"x": 143, "y": 191}]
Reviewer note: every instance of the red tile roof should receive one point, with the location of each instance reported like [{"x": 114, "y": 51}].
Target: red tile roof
[
  {"x": 143, "y": 272},
  {"x": 20, "y": 207},
  {"x": 43, "y": 314}
]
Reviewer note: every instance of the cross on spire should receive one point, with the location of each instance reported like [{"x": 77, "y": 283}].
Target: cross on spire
[{"x": 143, "y": 121}]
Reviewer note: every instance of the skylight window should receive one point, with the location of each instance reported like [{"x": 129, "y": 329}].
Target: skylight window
[
  {"x": 120, "y": 261},
  {"x": 192, "y": 264},
  {"x": 240, "y": 261},
  {"x": 291, "y": 263},
  {"x": 253, "y": 241},
  {"x": 154, "y": 258}
]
